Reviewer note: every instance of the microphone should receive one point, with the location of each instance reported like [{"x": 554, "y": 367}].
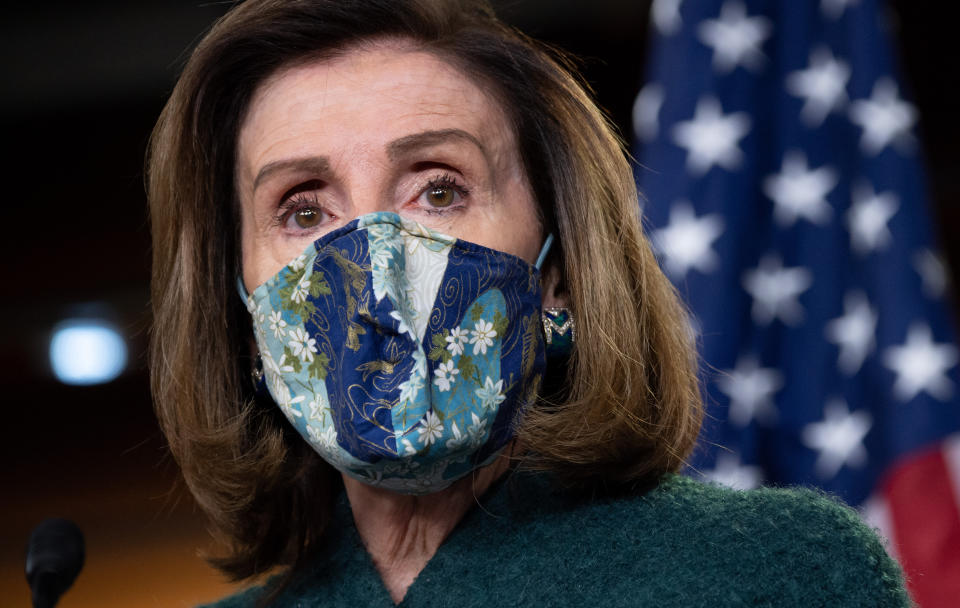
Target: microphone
[{"x": 54, "y": 559}]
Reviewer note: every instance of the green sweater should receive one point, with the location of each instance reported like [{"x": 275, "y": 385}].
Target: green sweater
[{"x": 683, "y": 543}]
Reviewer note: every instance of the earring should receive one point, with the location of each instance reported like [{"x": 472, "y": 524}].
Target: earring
[
  {"x": 560, "y": 330},
  {"x": 256, "y": 374}
]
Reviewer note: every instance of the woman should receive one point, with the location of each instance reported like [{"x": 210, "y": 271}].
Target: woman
[{"x": 412, "y": 200}]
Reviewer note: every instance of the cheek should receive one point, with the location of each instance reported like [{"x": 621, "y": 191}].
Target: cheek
[
  {"x": 517, "y": 231},
  {"x": 254, "y": 270},
  {"x": 262, "y": 257},
  {"x": 251, "y": 248},
  {"x": 526, "y": 239},
  {"x": 264, "y": 250},
  {"x": 520, "y": 228}
]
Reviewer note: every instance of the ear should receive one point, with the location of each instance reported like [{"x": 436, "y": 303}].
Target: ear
[{"x": 551, "y": 286}]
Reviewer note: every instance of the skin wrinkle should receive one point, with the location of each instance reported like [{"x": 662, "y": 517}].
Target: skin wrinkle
[
  {"x": 396, "y": 150},
  {"x": 411, "y": 143},
  {"x": 402, "y": 533},
  {"x": 319, "y": 165}
]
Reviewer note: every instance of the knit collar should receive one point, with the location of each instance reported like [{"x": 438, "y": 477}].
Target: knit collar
[{"x": 347, "y": 576}]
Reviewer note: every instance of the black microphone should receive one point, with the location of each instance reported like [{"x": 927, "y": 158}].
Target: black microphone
[{"x": 54, "y": 559}]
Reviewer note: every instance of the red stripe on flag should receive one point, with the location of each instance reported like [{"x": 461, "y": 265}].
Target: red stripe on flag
[{"x": 926, "y": 523}]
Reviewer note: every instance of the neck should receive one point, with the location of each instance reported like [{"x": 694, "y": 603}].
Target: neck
[{"x": 403, "y": 532}]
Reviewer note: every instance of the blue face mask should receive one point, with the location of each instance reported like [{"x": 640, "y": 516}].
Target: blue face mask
[{"x": 402, "y": 355}]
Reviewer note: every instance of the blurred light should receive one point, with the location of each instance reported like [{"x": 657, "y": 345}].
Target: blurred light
[{"x": 87, "y": 351}]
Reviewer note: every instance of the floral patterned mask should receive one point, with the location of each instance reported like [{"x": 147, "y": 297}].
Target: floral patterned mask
[{"x": 404, "y": 356}]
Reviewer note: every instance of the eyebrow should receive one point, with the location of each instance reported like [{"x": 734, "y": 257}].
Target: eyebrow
[
  {"x": 312, "y": 164},
  {"x": 424, "y": 139}
]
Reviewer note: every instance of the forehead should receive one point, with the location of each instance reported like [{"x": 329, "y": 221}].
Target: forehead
[{"x": 361, "y": 100}]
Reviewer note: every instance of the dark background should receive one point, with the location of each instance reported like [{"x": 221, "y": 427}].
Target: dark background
[{"x": 83, "y": 85}]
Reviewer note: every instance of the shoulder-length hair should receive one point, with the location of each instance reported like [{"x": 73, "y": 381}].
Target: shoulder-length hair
[{"x": 630, "y": 409}]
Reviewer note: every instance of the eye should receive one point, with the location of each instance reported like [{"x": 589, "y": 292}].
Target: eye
[
  {"x": 307, "y": 217},
  {"x": 302, "y": 211},
  {"x": 443, "y": 192},
  {"x": 441, "y": 196}
]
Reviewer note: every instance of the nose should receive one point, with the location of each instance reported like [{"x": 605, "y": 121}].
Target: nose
[{"x": 366, "y": 188}]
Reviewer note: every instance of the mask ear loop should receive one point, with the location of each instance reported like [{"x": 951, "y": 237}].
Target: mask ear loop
[
  {"x": 544, "y": 251},
  {"x": 242, "y": 290}
]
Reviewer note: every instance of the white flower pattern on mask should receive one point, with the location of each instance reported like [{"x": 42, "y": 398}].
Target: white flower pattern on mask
[
  {"x": 482, "y": 336},
  {"x": 318, "y": 410},
  {"x": 458, "y": 440},
  {"x": 381, "y": 256},
  {"x": 301, "y": 290},
  {"x": 298, "y": 264},
  {"x": 490, "y": 394},
  {"x": 277, "y": 324},
  {"x": 445, "y": 373},
  {"x": 410, "y": 387},
  {"x": 456, "y": 340},
  {"x": 281, "y": 394},
  {"x": 315, "y": 434},
  {"x": 271, "y": 367},
  {"x": 477, "y": 431},
  {"x": 302, "y": 345},
  {"x": 258, "y": 315},
  {"x": 386, "y": 274},
  {"x": 326, "y": 438},
  {"x": 430, "y": 429}
]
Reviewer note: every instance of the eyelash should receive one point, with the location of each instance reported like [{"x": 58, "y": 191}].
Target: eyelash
[
  {"x": 293, "y": 203},
  {"x": 445, "y": 180},
  {"x": 307, "y": 199}
]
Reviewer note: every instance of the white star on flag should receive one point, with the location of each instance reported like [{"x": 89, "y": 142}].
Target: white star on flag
[
  {"x": 932, "y": 273},
  {"x": 822, "y": 85},
  {"x": 646, "y": 111},
  {"x": 729, "y": 472},
  {"x": 838, "y": 439},
  {"x": 884, "y": 118},
  {"x": 800, "y": 192},
  {"x": 921, "y": 365},
  {"x": 665, "y": 15},
  {"x": 711, "y": 137},
  {"x": 750, "y": 389},
  {"x": 775, "y": 290},
  {"x": 735, "y": 38},
  {"x": 854, "y": 332},
  {"x": 833, "y": 9},
  {"x": 868, "y": 217},
  {"x": 686, "y": 241}
]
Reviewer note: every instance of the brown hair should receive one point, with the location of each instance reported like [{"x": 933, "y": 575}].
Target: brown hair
[{"x": 630, "y": 410}]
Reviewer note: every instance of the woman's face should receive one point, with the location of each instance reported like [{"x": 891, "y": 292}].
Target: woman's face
[{"x": 380, "y": 128}]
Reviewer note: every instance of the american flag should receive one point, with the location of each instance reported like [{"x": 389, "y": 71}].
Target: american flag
[{"x": 784, "y": 192}]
